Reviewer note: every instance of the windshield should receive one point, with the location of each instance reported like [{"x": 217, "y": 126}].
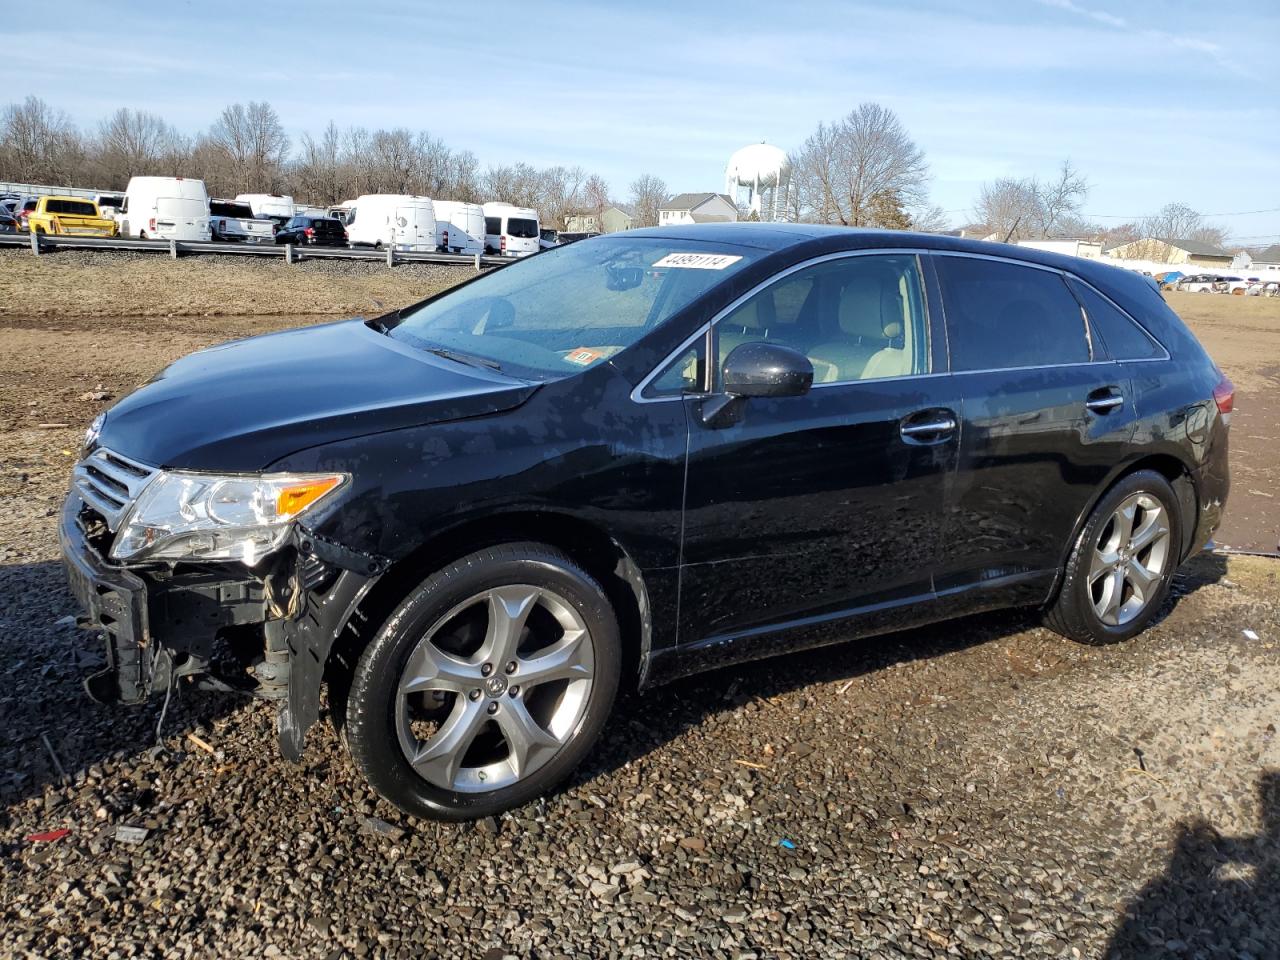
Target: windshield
[
  {"x": 239, "y": 211},
  {"x": 570, "y": 307}
]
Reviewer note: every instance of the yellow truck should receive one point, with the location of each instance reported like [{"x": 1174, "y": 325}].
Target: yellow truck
[{"x": 69, "y": 216}]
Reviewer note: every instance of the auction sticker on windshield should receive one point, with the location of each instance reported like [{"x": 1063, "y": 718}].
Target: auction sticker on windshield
[
  {"x": 698, "y": 261},
  {"x": 583, "y": 356}
]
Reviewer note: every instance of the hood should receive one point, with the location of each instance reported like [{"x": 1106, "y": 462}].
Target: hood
[{"x": 245, "y": 404}]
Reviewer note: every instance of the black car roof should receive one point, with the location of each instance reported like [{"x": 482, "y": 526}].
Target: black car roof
[{"x": 821, "y": 238}]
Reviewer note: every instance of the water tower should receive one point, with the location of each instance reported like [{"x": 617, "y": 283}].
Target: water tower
[{"x": 766, "y": 173}]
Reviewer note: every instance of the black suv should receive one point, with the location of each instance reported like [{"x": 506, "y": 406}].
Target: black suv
[
  {"x": 313, "y": 231},
  {"x": 632, "y": 458}
]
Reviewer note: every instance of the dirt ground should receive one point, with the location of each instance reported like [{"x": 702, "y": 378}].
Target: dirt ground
[
  {"x": 980, "y": 788},
  {"x": 1242, "y": 334},
  {"x": 74, "y": 283}
]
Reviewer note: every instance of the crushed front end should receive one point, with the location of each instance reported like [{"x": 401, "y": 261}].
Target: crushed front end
[{"x": 219, "y": 583}]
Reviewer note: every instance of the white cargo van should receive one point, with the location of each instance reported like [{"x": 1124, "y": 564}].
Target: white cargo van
[
  {"x": 278, "y": 208},
  {"x": 164, "y": 208},
  {"x": 510, "y": 231},
  {"x": 459, "y": 226},
  {"x": 400, "y": 221}
]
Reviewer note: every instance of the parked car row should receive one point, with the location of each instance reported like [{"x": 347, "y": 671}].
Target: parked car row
[
  {"x": 179, "y": 208},
  {"x": 1220, "y": 283},
  {"x": 53, "y": 214},
  {"x": 408, "y": 222}
]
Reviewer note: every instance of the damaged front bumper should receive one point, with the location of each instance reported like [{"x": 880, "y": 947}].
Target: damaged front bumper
[
  {"x": 157, "y": 624},
  {"x": 160, "y": 622}
]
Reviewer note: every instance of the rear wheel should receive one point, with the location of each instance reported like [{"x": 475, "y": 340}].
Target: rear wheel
[
  {"x": 1119, "y": 573},
  {"x": 487, "y": 685}
]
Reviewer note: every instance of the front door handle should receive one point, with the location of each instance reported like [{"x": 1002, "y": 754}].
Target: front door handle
[
  {"x": 928, "y": 426},
  {"x": 1104, "y": 400}
]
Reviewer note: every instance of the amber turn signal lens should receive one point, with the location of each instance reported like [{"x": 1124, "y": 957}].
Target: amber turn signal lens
[{"x": 297, "y": 497}]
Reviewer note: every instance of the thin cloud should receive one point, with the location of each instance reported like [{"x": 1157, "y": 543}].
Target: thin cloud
[{"x": 1195, "y": 44}]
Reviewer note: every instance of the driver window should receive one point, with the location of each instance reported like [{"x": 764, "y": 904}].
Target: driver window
[{"x": 855, "y": 318}]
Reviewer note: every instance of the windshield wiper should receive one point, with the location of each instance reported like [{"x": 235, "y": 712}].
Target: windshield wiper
[{"x": 469, "y": 359}]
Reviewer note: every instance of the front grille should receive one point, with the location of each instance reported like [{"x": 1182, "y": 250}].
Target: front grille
[{"x": 109, "y": 483}]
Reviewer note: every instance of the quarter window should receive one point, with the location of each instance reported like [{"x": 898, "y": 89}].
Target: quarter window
[
  {"x": 1004, "y": 315},
  {"x": 855, "y": 318},
  {"x": 683, "y": 375},
  {"x": 1124, "y": 339}
]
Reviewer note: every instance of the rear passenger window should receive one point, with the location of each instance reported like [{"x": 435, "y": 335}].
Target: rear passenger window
[
  {"x": 1124, "y": 339},
  {"x": 1003, "y": 315}
]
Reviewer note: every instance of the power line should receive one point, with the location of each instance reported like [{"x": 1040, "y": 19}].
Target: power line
[{"x": 1143, "y": 216}]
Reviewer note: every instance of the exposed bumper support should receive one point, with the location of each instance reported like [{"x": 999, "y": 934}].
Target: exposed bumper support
[{"x": 310, "y": 637}]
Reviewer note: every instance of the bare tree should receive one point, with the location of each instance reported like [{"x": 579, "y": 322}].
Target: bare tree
[
  {"x": 555, "y": 192},
  {"x": 931, "y": 219},
  {"x": 39, "y": 144},
  {"x": 648, "y": 193},
  {"x": 248, "y": 147},
  {"x": 1175, "y": 221},
  {"x": 1007, "y": 207},
  {"x": 319, "y": 172},
  {"x": 1058, "y": 201},
  {"x": 1031, "y": 208},
  {"x": 135, "y": 143},
  {"x": 595, "y": 198},
  {"x": 841, "y": 168}
]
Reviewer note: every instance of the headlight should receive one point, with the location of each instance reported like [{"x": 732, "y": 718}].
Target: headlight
[{"x": 201, "y": 516}]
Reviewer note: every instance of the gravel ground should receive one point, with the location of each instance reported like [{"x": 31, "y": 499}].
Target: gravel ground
[{"x": 981, "y": 788}]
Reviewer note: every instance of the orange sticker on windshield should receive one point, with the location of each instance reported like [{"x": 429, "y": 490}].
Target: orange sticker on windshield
[{"x": 583, "y": 356}]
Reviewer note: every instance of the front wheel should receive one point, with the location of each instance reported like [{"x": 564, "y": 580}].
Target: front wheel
[
  {"x": 1120, "y": 570},
  {"x": 488, "y": 684}
]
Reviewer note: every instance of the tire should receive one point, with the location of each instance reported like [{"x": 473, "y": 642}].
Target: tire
[
  {"x": 1088, "y": 608},
  {"x": 417, "y": 687}
]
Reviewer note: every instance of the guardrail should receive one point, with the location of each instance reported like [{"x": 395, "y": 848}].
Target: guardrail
[{"x": 45, "y": 242}]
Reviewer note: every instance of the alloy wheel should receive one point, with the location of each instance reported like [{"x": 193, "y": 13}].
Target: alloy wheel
[
  {"x": 1129, "y": 559},
  {"x": 494, "y": 688}
]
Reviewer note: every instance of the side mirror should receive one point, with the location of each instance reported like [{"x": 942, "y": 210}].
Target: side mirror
[{"x": 762, "y": 369}]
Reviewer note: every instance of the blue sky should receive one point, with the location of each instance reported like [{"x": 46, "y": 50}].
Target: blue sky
[{"x": 1153, "y": 101}]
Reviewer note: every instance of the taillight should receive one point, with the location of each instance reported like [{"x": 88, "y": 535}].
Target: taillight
[
  {"x": 446, "y": 239},
  {"x": 502, "y": 246},
  {"x": 344, "y": 235},
  {"x": 1224, "y": 395},
  {"x": 307, "y": 231},
  {"x": 151, "y": 225}
]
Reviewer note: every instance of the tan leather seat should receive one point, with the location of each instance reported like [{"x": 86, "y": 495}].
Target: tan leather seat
[
  {"x": 749, "y": 323},
  {"x": 858, "y": 314},
  {"x": 892, "y": 360}
]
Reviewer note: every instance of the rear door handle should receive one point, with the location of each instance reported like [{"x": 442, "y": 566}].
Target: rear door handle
[
  {"x": 1104, "y": 400},
  {"x": 928, "y": 426}
]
